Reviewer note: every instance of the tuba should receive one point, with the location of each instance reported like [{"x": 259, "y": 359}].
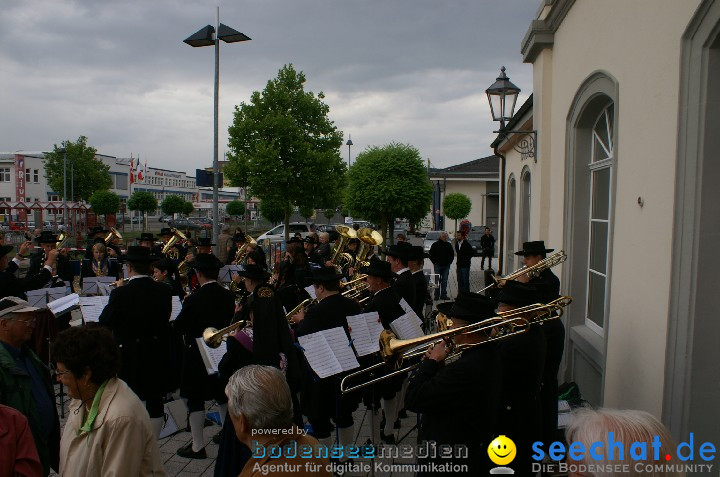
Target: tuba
[
  {"x": 169, "y": 249},
  {"x": 369, "y": 238},
  {"x": 114, "y": 234},
  {"x": 244, "y": 249},
  {"x": 343, "y": 261}
]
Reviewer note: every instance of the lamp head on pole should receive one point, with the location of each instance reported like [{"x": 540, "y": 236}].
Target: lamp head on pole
[
  {"x": 502, "y": 96},
  {"x": 206, "y": 36},
  {"x": 349, "y": 142}
]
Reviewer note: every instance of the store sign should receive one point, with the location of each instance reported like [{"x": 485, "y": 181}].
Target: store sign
[{"x": 20, "y": 184}]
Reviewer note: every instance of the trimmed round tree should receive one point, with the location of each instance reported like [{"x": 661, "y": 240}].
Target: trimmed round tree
[
  {"x": 104, "y": 202},
  {"x": 273, "y": 210},
  {"x": 142, "y": 201},
  {"x": 235, "y": 208},
  {"x": 188, "y": 208},
  {"x": 456, "y": 206},
  {"x": 172, "y": 204},
  {"x": 329, "y": 214}
]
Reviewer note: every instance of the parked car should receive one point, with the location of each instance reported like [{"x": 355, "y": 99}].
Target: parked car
[
  {"x": 430, "y": 238},
  {"x": 165, "y": 218},
  {"x": 331, "y": 231},
  {"x": 17, "y": 226},
  {"x": 474, "y": 240},
  {"x": 185, "y": 224},
  {"x": 203, "y": 222},
  {"x": 277, "y": 234}
]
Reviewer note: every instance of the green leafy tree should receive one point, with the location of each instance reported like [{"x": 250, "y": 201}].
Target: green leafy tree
[
  {"x": 456, "y": 206},
  {"x": 388, "y": 182},
  {"x": 104, "y": 202},
  {"x": 144, "y": 202},
  {"x": 89, "y": 174},
  {"x": 282, "y": 144},
  {"x": 307, "y": 212},
  {"x": 235, "y": 208},
  {"x": 329, "y": 214},
  {"x": 273, "y": 210},
  {"x": 172, "y": 204},
  {"x": 188, "y": 208}
]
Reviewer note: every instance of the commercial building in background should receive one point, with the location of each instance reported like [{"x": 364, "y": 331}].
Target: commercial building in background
[
  {"x": 24, "y": 187},
  {"x": 626, "y": 107}
]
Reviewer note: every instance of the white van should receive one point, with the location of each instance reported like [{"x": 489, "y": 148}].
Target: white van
[{"x": 277, "y": 234}]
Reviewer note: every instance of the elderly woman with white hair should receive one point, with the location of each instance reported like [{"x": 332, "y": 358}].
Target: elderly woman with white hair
[
  {"x": 260, "y": 407},
  {"x": 592, "y": 429}
]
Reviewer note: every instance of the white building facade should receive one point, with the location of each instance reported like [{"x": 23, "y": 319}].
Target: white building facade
[{"x": 627, "y": 108}]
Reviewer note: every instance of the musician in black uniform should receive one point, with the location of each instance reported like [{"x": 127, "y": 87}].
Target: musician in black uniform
[
  {"x": 99, "y": 265},
  {"x": 548, "y": 286},
  {"x": 311, "y": 245},
  {"x": 210, "y": 306},
  {"x": 138, "y": 314},
  {"x": 398, "y": 256},
  {"x": 458, "y": 400},
  {"x": 10, "y": 285},
  {"x": 386, "y": 302},
  {"x": 96, "y": 234},
  {"x": 422, "y": 294},
  {"x": 165, "y": 235},
  {"x": 62, "y": 269},
  {"x": 147, "y": 240},
  {"x": 165, "y": 271},
  {"x": 523, "y": 360},
  {"x": 319, "y": 397},
  {"x": 204, "y": 245}
]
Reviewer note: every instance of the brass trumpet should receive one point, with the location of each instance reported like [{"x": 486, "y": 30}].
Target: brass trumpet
[
  {"x": 555, "y": 259},
  {"x": 214, "y": 337},
  {"x": 116, "y": 284},
  {"x": 301, "y": 305}
]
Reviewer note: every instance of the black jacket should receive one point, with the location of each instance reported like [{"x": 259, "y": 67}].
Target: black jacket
[
  {"x": 386, "y": 303},
  {"x": 404, "y": 286},
  {"x": 441, "y": 253},
  {"x": 464, "y": 254},
  {"x": 318, "y": 396},
  {"x": 138, "y": 315},
  {"x": 487, "y": 243},
  {"x": 10, "y": 285},
  {"x": 210, "y": 306},
  {"x": 63, "y": 268},
  {"x": 422, "y": 294},
  {"x": 458, "y": 401}
]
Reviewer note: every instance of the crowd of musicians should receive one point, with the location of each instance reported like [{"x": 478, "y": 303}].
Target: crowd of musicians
[{"x": 504, "y": 387}]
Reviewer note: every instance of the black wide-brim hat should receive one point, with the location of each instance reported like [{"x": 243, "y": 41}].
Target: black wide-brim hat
[
  {"x": 534, "y": 248},
  {"x": 138, "y": 254},
  {"x": 207, "y": 261},
  {"x": 146, "y": 237},
  {"x": 517, "y": 294},
  {"x": 399, "y": 250},
  {"x": 205, "y": 242},
  {"x": 417, "y": 253},
  {"x": 254, "y": 272},
  {"x": 325, "y": 274},
  {"x": 5, "y": 249},
  {"x": 165, "y": 231},
  {"x": 470, "y": 307},
  {"x": 378, "y": 268},
  {"x": 46, "y": 237}
]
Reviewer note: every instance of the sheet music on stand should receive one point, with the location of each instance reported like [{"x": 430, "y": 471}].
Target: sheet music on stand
[
  {"x": 407, "y": 327},
  {"x": 91, "y": 285},
  {"x": 61, "y": 305},
  {"x": 365, "y": 330},
  {"x": 311, "y": 291},
  {"x": 40, "y": 298},
  {"x": 225, "y": 275},
  {"x": 328, "y": 352},
  {"x": 408, "y": 309},
  {"x": 211, "y": 356},
  {"x": 92, "y": 306},
  {"x": 176, "y": 307}
]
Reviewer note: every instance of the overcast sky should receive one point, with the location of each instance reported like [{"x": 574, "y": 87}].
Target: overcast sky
[{"x": 412, "y": 71}]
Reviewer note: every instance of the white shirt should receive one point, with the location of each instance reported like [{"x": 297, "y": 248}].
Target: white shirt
[{"x": 403, "y": 270}]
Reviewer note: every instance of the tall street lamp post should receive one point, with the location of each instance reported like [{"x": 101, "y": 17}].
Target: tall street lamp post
[
  {"x": 348, "y": 144},
  {"x": 65, "y": 210},
  {"x": 502, "y": 96},
  {"x": 207, "y": 36}
]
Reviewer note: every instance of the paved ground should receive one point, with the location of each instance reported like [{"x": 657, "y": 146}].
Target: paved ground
[{"x": 175, "y": 465}]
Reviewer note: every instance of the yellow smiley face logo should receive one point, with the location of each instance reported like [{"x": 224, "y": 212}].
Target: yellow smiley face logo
[{"x": 502, "y": 450}]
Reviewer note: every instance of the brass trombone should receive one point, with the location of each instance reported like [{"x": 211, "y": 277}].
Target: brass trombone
[
  {"x": 394, "y": 352},
  {"x": 555, "y": 259},
  {"x": 214, "y": 337},
  {"x": 300, "y": 306}
]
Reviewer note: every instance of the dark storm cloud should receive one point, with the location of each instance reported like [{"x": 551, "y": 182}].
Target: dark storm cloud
[{"x": 392, "y": 70}]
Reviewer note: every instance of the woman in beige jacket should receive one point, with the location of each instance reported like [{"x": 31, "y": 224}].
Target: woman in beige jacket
[{"x": 108, "y": 430}]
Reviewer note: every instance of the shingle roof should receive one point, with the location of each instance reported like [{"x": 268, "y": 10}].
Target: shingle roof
[{"x": 486, "y": 166}]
